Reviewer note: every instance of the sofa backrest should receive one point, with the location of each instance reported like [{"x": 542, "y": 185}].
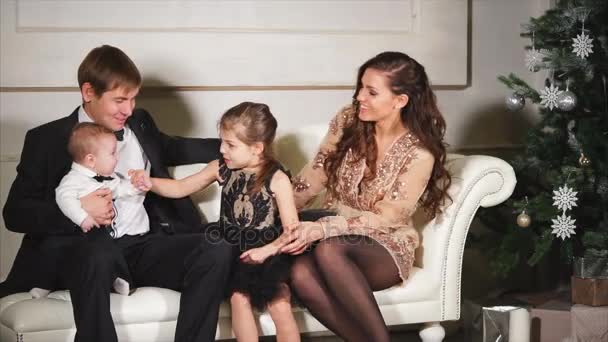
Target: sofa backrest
[{"x": 472, "y": 178}]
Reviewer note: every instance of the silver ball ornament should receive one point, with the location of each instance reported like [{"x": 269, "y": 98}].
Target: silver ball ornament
[
  {"x": 566, "y": 101},
  {"x": 515, "y": 102},
  {"x": 523, "y": 219}
]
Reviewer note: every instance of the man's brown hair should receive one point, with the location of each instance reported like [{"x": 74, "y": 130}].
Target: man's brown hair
[
  {"x": 84, "y": 139},
  {"x": 106, "y": 68}
]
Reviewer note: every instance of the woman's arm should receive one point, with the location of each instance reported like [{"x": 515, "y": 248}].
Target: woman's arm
[
  {"x": 394, "y": 209},
  {"x": 311, "y": 180}
]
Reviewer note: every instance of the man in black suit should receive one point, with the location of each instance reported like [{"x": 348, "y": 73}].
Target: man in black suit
[{"x": 170, "y": 253}]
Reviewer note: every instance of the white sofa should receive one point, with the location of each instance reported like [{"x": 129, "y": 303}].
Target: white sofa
[{"x": 431, "y": 295}]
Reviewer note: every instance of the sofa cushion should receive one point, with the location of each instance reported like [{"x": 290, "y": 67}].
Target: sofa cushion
[
  {"x": 147, "y": 304},
  {"x": 150, "y": 304}
]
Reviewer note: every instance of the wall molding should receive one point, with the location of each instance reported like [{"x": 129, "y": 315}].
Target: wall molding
[
  {"x": 146, "y": 90},
  {"x": 465, "y": 149},
  {"x": 371, "y": 17},
  {"x": 301, "y": 44}
]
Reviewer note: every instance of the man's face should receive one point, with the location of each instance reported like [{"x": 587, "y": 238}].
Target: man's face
[{"x": 112, "y": 108}]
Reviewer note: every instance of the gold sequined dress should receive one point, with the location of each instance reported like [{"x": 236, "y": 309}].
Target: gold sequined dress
[{"x": 380, "y": 208}]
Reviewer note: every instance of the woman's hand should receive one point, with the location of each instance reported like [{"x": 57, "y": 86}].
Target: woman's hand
[
  {"x": 305, "y": 234},
  {"x": 140, "y": 180},
  {"x": 258, "y": 255}
]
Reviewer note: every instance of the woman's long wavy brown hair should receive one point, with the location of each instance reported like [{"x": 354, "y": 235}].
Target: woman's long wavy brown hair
[{"x": 421, "y": 116}]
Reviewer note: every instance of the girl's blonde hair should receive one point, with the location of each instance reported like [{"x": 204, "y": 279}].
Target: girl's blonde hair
[{"x": 258, "y": 126}]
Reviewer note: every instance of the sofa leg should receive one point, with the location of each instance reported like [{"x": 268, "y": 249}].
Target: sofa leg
[{"x": 432, "y": 332}]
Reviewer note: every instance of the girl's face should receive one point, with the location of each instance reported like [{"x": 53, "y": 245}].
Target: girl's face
[
  {"x": 377, "y": 102},
  {"x": 236, "y": 153}
]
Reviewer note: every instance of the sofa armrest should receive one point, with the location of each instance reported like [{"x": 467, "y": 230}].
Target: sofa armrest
[{"x": 477, "y": 181}]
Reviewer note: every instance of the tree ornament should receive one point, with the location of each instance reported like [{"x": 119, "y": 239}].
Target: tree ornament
[
  {"x": 584, "y": 161},
  {"x": 523, "y": 219},
  {"x": 549, "y": 96},
  {"x": 533, "y": 58},
  {"x": 515, "y": 102},
  {"x": 563, "y": 226},
  {"x": 582, "y": 45},
  {"x": 564, "y": 198},
  {"x": 566, "y": 101}
]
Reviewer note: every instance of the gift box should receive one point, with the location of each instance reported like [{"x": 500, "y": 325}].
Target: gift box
[
  {"x": 506, "y": 323},
  {"x": 589, "y": 291},
  {"x": 590, "y": 267},
  {"x": 550, "y": 322},
  {"x": 589, "y": 324}
]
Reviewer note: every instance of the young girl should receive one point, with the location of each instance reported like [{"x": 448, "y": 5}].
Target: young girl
[{"x": 255, "y": 189}]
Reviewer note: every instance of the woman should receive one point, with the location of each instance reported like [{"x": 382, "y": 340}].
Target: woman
[{"x": 382, "y": 158}]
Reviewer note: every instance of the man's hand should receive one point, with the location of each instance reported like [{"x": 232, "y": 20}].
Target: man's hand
[
  {"x": 140, "y": 180},
  {"x": 98, "y": 204},
  {"x": 259, "y": 255},
  {"x": 88, "y": 224}
]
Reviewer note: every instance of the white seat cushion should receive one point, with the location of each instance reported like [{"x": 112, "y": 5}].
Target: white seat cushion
[{"x": 150, "y": 304}]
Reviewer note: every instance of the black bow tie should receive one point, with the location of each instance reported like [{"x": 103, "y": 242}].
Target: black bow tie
[
  {"x": 102, "y": 178},
  {"x": 120, "y": 134}
]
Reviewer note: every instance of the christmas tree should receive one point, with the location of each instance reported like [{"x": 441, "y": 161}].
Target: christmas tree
[{"x": 561, "y": 199}]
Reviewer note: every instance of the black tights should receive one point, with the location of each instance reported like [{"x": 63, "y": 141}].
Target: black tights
[{"x": 336, "y": 282}]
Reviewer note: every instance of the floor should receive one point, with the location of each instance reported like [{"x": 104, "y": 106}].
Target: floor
[{"x": 401, "y": 335}]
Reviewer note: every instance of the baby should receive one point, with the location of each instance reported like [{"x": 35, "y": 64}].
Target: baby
[{"x": 94, "y": 153}]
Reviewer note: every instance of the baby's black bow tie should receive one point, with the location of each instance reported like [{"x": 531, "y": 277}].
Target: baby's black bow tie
[
  {"x": 120, "y": 134},
  {"x": 102, "y": 178}
]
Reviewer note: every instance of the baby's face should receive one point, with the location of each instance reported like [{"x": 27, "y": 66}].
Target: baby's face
[{"x": 106, "y": 156}]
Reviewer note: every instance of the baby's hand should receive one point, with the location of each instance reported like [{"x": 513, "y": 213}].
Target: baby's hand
[
  {"x": 140, "y": 180},
  {"x": 258, "y": 255},
  {"x": 88, "y": 224}
]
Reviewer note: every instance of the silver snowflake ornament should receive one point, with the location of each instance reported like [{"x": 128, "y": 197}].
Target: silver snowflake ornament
[
  {"x": 565, "y": 198},
  {"x": 549, "y": 96},
  {"x": 533, "y": 59},
  {"x": 563, "y": 226},
  {"x": 582, "y": 45}
]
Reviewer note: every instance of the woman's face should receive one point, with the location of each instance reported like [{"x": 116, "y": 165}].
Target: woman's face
[{"x": 376, "y": 100}]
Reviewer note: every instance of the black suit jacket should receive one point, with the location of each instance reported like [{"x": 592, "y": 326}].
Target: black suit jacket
[{"x": 31, "y": 208}]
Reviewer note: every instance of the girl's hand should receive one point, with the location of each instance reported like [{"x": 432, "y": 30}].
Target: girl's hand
[
  {"x": 140, "y": 180},
  {"x": 258, "y": 255},
  {"x": 305, "y": 234}
]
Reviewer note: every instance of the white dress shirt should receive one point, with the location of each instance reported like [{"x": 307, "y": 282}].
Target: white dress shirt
[
  {"x": 133, "y": 216},
  {"x": 80, "y": 182}
]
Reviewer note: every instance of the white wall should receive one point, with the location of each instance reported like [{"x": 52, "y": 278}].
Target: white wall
[{"x": 474, "y": 110}]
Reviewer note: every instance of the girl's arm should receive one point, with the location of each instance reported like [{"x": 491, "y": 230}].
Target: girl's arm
[
  {"x": 282, "y": 189},
  {"x": 280, "y": 185},
  {"x": 178, "y": 188}
]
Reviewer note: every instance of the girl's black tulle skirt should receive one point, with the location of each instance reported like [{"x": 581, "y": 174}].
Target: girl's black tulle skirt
[{"x": 261, "y": 282}]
